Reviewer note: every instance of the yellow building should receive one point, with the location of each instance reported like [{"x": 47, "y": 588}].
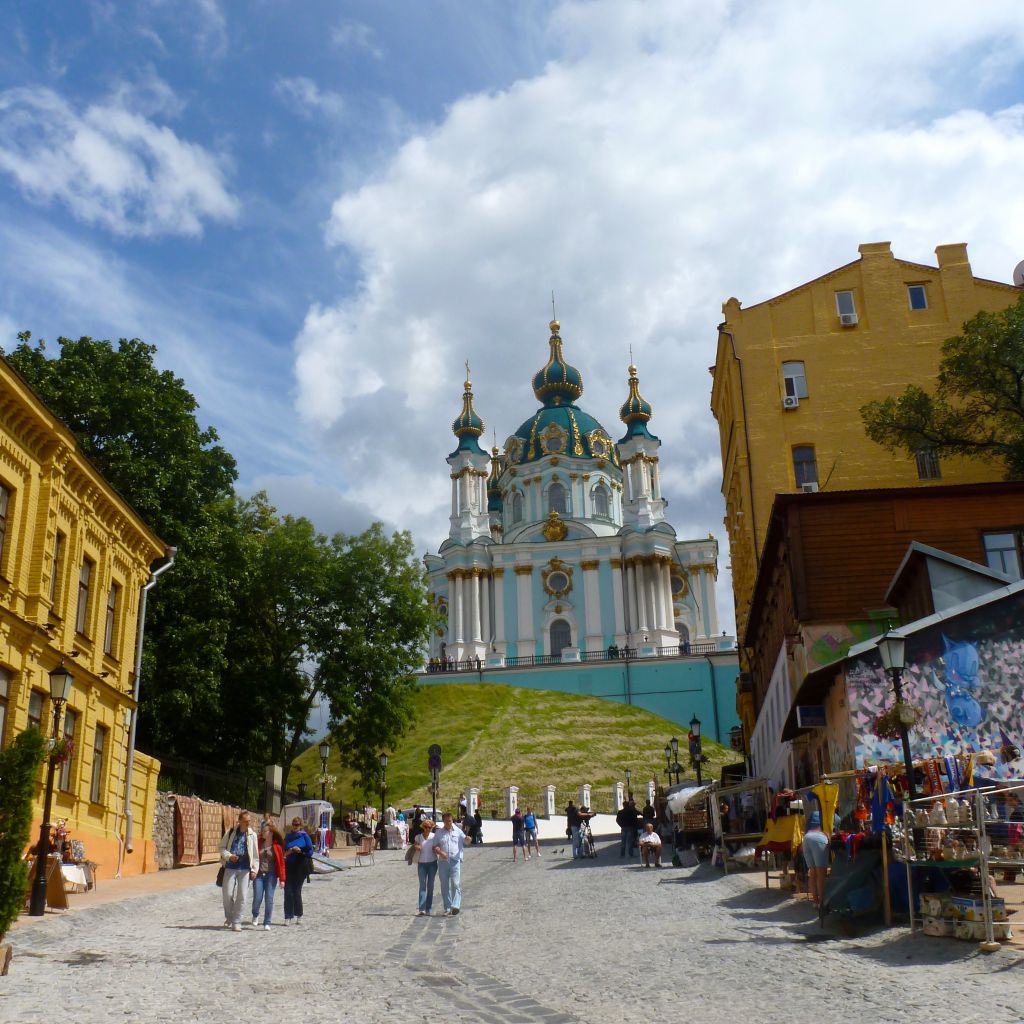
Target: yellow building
[
  {"x": 792, "y": 373},
  {"x": 73, "y": 559}
]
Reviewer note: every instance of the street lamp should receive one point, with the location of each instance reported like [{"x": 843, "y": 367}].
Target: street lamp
[
  {"x": 668, "y": 763},
  {"x": 60, "y": 691},
  {"x": 629, "y": 774},
  {"x": 892, "y": 650},
  {"x": 325, "y": 752},
  {"x": 696, "y": 750},
  {"x": 738, "y": 742},
  {"x": 383, "y": 758}
]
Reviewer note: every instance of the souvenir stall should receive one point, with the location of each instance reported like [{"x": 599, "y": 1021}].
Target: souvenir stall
[
  {"x": 953, "y": 840},
  {"x": 693, "y": 812},
  {"x": 740, "y": 816},
  {"x": 316, "y": 819},
  {"x": 780, "y": 842}
]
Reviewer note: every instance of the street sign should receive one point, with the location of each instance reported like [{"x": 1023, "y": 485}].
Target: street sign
[{"x": 811, "y": 716}]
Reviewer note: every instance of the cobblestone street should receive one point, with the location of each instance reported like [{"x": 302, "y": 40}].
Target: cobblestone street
[{"x": 549, "y": 941}]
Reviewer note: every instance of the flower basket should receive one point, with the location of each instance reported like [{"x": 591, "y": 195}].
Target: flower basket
[
  {"x": 61, "y": 750},
  {"x": 887, "y": 724}
]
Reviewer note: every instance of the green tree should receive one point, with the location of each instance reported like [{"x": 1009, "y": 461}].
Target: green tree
[
  {"x": 19, "y": 767},
  {"x": 977, "y": 407},
  {"x": 139, "y": 426},
  {"x": 374, "y": 624}
]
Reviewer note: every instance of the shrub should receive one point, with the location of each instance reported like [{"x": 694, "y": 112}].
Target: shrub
[{"x": 19, "y": 764}]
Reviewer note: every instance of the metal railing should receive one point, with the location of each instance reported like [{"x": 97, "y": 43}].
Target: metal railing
[
  {"x": 685, "y": 649},
  {"x": 191, "y": 779}
]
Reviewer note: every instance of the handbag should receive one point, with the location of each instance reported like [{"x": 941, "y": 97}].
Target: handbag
[
  {"x": 220, "y": 876},
  {"x": 412, "y": 855}
]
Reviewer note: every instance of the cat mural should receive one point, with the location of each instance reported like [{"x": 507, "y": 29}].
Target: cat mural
[{"x": 961, "y": 670}]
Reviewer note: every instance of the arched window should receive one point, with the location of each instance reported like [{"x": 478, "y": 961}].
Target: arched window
[
  {"x": 561, "y": 636},
  {"x": 556, "y": 499},
  {"x": 517, "y": 507},
  {"x": 684, "y": 633},
  {"x": 601, "y": 501}
]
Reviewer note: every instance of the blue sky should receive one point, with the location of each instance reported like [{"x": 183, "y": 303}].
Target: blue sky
[{"x": 318, "y": 211}]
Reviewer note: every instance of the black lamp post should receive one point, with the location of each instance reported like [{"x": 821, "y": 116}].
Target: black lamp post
[
  {"x": 301, "y": 787},
  {"x": 629, "y": 775},
  {"x": 325, "y": 752},
  {"x": 696, "y": 749},
  {"x": 60, "y": 690},
  {"x": 676, "y": 766},
  {"x": 892, "y": 651},
  {"x": 383, "y": 758},
  {"x": 738, "y": 742},
  {"x": 668, "y": 764}
]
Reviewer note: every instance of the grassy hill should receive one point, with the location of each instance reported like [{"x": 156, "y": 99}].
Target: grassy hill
[{"x": 492, "y": 736}]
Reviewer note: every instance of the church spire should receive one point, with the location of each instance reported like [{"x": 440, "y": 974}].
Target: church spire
[
  {"x": 557, "y": 383},
  {"x": 468, "y": 426},
  {"x": 636, "y": 411}
]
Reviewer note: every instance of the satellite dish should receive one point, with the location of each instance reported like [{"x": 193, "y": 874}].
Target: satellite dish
[{"x": 1018, "y": 274}]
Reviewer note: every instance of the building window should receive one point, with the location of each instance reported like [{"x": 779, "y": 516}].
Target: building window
[
  {"x": 109, "y": 630},
  {"x": 84, "y": 580},
  {"x": 794, "y": 380},
  {"x": 1003, "y": 551},
  {"x": 556, "y": 499},
  {"x": 601, "y": 501},
  {"x": 56, "y": 566},
  {"x": 845, "y": 305},
  {"x": 517, "y": 507},
  {"x": 5, "y": 499},
  {"x": 35, "y": 709},
  {"x": 917, "y": 296},
  {"x": 561, "y": 637},
  {"x": 805, "y": 465},
  {"x": 99, "y": 746},
  {"x": 927, "y": 464},
  {"x": 70, "y": 725},
  {"x": 5, "y": 692}
]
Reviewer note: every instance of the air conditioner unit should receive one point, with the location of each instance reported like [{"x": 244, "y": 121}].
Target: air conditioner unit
[
  {"x": 790, "y": 402},
  {"x": 809, "y": 488},
  {"x": 848, "y": 319}
]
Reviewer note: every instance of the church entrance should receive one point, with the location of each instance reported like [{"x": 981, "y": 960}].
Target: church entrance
[{"x": 561, "y": 637}]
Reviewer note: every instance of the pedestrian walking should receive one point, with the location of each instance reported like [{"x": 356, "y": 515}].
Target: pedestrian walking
[
  {"x": 518, "y": 834},
  {"x": 426, "y": 866},
  {"x": 530, "y": 823},
  {"x": 478, "y": 827},
  {"x": 816, "y": 854},
  {"x": 449, "y": 842},
  {"x": 298, "y": 852},
  {"x": 239, "y": 853},
  {"x": 271, "y": 871}
]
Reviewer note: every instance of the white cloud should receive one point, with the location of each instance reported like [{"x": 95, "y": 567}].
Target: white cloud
[
  {"x": 355, "y": 35},
  {"x": 109, "y": 164},
  {"x": 675, "y": 154},
  {"x": 306, "y": 98}
]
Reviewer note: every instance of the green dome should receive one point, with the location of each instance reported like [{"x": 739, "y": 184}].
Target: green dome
[
  {"x": 557, "y": 383},
  {"x": 561, "y": 430},
  {"x": 467, "y": 426},
  {"x": 636, "y": 410}
]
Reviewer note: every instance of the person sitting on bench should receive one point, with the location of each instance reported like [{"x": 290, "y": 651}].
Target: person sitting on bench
[{"x": 650, "y": 846}]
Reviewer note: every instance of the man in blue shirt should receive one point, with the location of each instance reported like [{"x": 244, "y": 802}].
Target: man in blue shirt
[
  {"x": 530, "y": 824},
  {"x": 449, "y": 842},
  {"x": 240, "y": 856}
]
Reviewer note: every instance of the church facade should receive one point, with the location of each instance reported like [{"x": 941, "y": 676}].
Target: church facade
[{"x": 559, "y": 553}]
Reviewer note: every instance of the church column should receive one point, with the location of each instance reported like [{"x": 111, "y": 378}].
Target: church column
[
  {"x": 641, "y": 597},
  {"x": 455, "y": 618},
  {"x": 666, "y": 586},
  {"x": 498, "y": 575},
  {"x": 524, "y": 600},
  {"x": 631, "y": 611},
  {"x": 474, "y": 605},
  {"x": 651, "y": 598},
  {"x": 455, "y": 494},
  {"x": 620, "y": 624},
  {"x": 485, "y": 608},
  {"x": 656, "y": 593},
  {"x": 592, "y": 596}
]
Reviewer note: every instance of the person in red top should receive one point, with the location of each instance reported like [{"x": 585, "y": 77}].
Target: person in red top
[{"x": 271, "y": 871}]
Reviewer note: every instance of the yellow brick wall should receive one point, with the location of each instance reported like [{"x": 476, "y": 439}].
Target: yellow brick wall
[
  {"x": 52, "y": 489},
  {"x": 891, "y": 346}
]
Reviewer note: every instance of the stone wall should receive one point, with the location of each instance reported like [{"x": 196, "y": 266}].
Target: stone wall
[{"x": 163, "y": 831}]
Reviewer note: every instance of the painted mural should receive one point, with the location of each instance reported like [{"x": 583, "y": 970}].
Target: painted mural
[{"x": 965, "y": 676}]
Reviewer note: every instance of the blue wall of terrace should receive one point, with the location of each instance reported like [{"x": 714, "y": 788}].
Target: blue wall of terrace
[{"x": 675, "y": 688}]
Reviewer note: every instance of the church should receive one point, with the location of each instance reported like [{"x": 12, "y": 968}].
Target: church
[{"x": 560, "y": 564}]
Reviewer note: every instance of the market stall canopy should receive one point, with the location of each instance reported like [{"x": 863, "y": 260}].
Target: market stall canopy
[{"x": 677, "y": 798}]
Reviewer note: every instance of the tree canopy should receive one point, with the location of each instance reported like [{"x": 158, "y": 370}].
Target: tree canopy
[
  {"x": 977, "y": 407},
  {"x": 262, "y": 615}
]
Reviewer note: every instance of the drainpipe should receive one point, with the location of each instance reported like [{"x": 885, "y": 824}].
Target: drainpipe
[
  {"x": 171, "y": 553},
  {"x": 714, "y": 697}
]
